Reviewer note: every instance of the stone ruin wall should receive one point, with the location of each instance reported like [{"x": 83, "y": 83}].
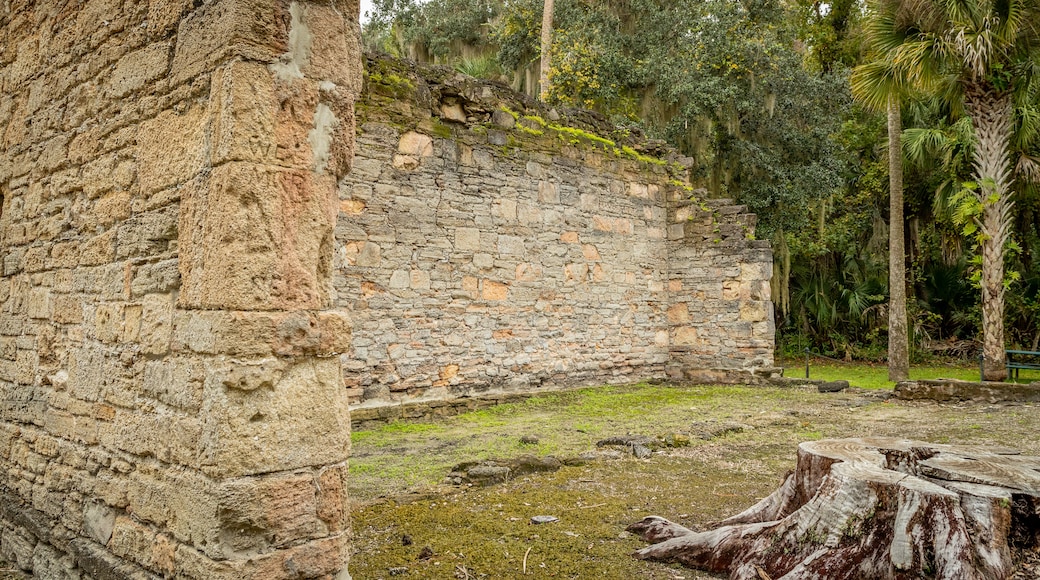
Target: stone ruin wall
[
  {"x": 485, "y": 245},
  {"x": 171, "y": 400},
  {"x": 194, "y": 287}
]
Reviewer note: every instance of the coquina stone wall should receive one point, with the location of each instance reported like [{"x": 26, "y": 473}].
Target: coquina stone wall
[
  {"x": 486, "y": 245},
  {"x": 171, "y": 399}
]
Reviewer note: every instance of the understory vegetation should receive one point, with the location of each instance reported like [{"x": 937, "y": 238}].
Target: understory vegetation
[{"x": 756, "y": 93}]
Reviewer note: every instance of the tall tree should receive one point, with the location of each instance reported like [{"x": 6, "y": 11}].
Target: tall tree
[
  {"x": 877, "y": 83},
  {"x": 546, "y": 63},
  {"x": 898, "y": 341},
  {"x": 985, "y": 55}
]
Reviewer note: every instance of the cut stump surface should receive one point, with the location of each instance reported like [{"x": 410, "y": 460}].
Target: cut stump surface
[{"x": 875, "y": 507}]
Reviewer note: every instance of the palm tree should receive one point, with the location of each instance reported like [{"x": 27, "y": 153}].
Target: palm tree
[
  {"x": 547, "y": 34},
  {"x": 898, "y": 342},
  {"x": 869, "y": 81},
  {"x": 984, "y": 55}
]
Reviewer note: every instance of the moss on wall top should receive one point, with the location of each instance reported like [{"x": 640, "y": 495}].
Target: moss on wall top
[{"x": 445, "y": 103}]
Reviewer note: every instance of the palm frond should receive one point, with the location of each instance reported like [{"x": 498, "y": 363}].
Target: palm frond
[
  {"x": 921, "y": 144},
  {"x": 872, "y": 84}
]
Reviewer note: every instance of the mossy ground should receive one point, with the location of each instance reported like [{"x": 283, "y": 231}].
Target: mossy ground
[{"x": 397, "y": 472}]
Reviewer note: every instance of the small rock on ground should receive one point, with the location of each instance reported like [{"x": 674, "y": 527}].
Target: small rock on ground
[
  {"x": 833, "y": 386},
  {"x": 544, "y": 519}
]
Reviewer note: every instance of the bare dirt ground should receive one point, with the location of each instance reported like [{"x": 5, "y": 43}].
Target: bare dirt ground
[{"x": 729, "y": 447}]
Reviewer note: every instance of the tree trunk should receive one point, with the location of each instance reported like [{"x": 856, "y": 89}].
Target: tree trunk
[
  {"x": 878, "y": 507},
  {"x": 898, "y": 343},
  {"x": 990, "y": 112},
  {"x": 547, "y": 34}
]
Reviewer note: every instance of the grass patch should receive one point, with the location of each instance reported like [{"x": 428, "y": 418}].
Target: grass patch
[
  {"x": 875, "y": 376},
  {"x": 393, "y": 432}
]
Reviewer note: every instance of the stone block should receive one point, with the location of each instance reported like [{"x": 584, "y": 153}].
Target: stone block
[
  {"x": 260, "y": 513},
  {"x": 511, "y": 245},
  {"x": 590, "y": 252},
  {"x": 172, "y": 148},
  {"x": 98, "y": 250},
  {"x": 332, "y": 506},
  {"x": 334, "y": 55},
  {"x": 419, "y": 280},
  {"x": 505, "y": 209},
  {"x": 453, "y": 112},
  {"x": 137, "y": 69},
  {"x": 416, "y": 145},
  {"x": 220, "y": 31},
  {"x": 260, "y": 334},
  {"x": 175, "y": 381},
  {"x": 301, "y": 420},
  {"x": 184, "y": 503},
  {"x": 503, "y": 119},
  {"x": 405, "y": 162},
  {"x": 467, "y": 239},
  {"x": 528, "y": 272},
  {"x": 171, "y": 438},
  {"x": 400, "y": 279},
  {"x": 494, "y": 291},
  {"x": 39, "y": 303},
  {"x": 156, "y": 324},
  {"x": 164, "y": 15},
  {"x": 529, "y": 214},
  {"x": 51, "y": 564},
  {"x": 678, "y": 313},
  {"x": 242, "y": 106},
  {"x": 548, "y": 193},
  {"x": 753, "y": 311},
  {"x": 576, "y": 273},
  {"x": 17, "y": 549},
  {"x": 369, "y": 256},
  {"x": 731, "y": 290},
  {"x": 535, "y": 170},
  {"x": 26, "y": 364},
  {"x": 99, "y": 563},
  {"x": 256, "y": 238},
  {"x": 112, "y": 207},
  {"x": 685, "y": 336},
  {"x": 602, "y": 223},
  {"x": 352, "y": 207},
  {"x": 98, "y": 521}
]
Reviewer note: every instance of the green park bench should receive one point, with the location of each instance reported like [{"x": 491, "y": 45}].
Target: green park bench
[{"x": 1022, "y": 359}]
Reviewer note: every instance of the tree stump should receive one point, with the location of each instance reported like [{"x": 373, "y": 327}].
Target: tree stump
[{"x": 874, "y": 507}]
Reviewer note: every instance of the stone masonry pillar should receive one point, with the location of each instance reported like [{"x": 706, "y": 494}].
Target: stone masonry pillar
[
  {"x": 171, "y": 399},
  {"x": 256, "y": 243}
]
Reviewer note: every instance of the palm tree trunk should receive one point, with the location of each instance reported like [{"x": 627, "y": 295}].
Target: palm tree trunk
[
  {"x": 990, "y": 112},
  {"x": 898, "y": 343},
  {"x": 547, "y": 33}
]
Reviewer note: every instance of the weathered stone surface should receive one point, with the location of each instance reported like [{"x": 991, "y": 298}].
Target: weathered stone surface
[
  {"x": 166, "y": 238},
  {"x": 299, "y": 420},
  {"x": 248, "y": 243}
]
